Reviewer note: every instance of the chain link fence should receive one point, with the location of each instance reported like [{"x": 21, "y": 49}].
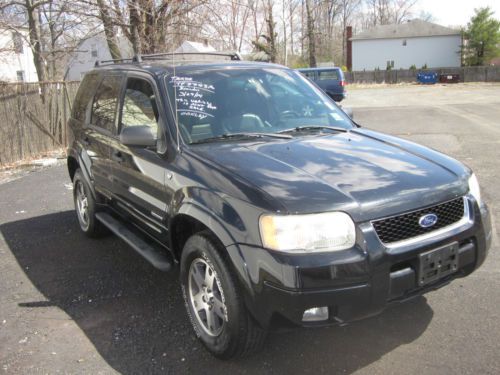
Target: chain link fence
[{"x": 33, "y": 118}]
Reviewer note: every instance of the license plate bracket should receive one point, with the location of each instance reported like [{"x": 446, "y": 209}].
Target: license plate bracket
[{"x": 437, "y": 263}]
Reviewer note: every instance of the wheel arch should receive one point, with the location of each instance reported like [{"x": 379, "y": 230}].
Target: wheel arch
[
  {"x": 74, "y": 162},
  {"x": 72, "y": 166},
  {"x": 192, "y": 219}
]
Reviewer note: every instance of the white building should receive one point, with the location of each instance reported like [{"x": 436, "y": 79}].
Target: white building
[
  {"x": 415, "y": 42},
  {"x": 188, "y": 46},
  {"x": 96, "y": 48},
  {"x": 89, "y": 51},
  {"x": 16, "y": 57}
]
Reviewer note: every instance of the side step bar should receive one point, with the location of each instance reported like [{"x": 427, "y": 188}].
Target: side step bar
[{"x": 152, "y": 254}]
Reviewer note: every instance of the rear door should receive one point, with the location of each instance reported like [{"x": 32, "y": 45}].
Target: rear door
[
  {"x": 99, "y": 135},
  {"x": 330, "y": 81},
  {"x": 139, "y": 172}
]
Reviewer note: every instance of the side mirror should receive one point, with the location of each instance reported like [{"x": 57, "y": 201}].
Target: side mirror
[
  {"x": 139, "y": 135},
  {"x": 348, "y": 112}
]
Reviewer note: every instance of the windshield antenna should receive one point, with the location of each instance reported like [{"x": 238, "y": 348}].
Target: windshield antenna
[{"x": 175, "y": 107}]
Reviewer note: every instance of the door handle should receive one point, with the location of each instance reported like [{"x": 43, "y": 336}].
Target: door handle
[
  {"x": 117, "y": 156},
  {"x": 86, "y": 141}
]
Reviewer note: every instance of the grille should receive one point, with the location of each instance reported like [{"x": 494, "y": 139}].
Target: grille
[{"x": 402, "y": 227}]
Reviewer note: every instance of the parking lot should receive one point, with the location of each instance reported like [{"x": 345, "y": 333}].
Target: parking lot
[{"x": 69, "y": 304}]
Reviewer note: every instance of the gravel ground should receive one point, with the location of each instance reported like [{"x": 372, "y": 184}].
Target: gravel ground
[{"x": 69, "y": 304}]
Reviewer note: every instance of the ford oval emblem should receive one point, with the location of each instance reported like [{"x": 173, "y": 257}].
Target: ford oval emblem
[{"x": 428, "y": 220}]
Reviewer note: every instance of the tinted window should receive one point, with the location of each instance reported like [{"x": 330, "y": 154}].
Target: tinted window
[
  {"x": 105, "y": 101},
  {"x": 329, "y": 74},
  {"x": 84, "y": 96},
  {"x": 139, "y": 105}
]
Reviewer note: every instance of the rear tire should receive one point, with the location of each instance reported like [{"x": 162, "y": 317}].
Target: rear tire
[
  {"x": 213, "y": 301},
  {"x": 85, "y": 206}
]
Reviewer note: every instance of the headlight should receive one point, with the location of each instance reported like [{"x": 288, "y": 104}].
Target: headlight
[
  {"x": 330, "y": 231},
  {"x": 474, "y": 189}
]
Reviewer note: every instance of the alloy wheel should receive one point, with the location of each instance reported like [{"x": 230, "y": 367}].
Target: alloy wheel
[
  {"x": 82, "y": 205},
  {"x": 206, "y": 297}
]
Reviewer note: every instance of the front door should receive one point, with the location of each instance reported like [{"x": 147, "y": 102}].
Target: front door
[{"x": 139, "y": 172}]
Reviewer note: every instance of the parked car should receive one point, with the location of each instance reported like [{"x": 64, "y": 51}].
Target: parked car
[
  {"x": 274, "y": 204},
  {"x": 330, "y": 80}
]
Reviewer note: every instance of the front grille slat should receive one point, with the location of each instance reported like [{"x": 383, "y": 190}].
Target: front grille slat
[{"x": 405, "y": 226}]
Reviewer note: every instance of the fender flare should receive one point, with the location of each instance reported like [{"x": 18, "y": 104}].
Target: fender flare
[
  {"x": 211, "y": 221},
  {"x": 85, "y": 172}
]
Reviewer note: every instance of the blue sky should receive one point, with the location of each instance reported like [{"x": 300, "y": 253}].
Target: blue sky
[{"x": 455, "y": 12}]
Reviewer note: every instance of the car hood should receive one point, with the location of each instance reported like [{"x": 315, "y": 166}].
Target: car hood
[{"x": 364, "y": 173}]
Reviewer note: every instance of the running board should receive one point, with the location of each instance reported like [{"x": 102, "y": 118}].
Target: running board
[{"x": 152, "y": 254}]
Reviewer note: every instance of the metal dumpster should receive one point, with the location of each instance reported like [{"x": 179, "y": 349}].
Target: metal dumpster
[
  {"x": 449, "y": 78},
  {"x": 427, "y": 78}
]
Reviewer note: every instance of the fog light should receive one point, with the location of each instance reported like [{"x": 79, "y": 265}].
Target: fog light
[{"x": 315, "y": 314}]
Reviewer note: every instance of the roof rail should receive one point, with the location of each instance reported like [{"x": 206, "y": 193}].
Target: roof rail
[
  {"x": 235, "y": 56},
  {"x": 138, "y": 58},
  {"x": 112, "y": 61}
]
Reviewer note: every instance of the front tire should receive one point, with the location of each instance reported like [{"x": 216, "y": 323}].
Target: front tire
[
  {"x": 214, "y": 305},
  {"x": 85, "y": 206}
]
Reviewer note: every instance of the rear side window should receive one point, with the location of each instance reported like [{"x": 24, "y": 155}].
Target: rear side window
[
  {"x": 329, "y": 74},
  {"x": 84, "y": 96},
  {"x": 105, "y": 103}
]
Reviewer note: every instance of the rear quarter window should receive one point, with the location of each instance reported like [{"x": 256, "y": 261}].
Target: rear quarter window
[
  {"x": 84, "y": 96},
  {"x": 329, "y": 74}
]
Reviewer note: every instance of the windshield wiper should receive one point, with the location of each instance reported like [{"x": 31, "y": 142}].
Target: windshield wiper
[
  {"x": 242, "y": 136},
  {"x": 298, "y": 129}
]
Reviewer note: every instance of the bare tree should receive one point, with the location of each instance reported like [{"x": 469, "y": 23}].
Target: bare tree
[
  {"x": 383, "y": 12},
  {"x": 55, "y": 29},
  {"x": 310, "y": 34},
  {"x": 228, "y": 22},
  {"x": 348, "y": 8},
  {"x": 109, "y": 32}
]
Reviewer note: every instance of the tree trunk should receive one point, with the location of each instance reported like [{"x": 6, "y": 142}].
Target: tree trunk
[
  {"x": 285, "y": 52},
  {"x": 291, "y": 27},
  {"x": 270, "y": 32},
  {"x": 108, "y": 30},
  {"x": 34, "y": 36},
  {"x": 310, "y": 35},
  {"x": 135, "y": 22}
]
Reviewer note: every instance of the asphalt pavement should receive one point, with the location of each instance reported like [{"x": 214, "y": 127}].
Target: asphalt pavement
[{"x": 69, "y": 304}]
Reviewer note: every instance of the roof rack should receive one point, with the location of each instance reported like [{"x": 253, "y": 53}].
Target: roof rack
[
  {"x": 235, "y": 56},
  {"x": 134, "y": 59},
  {"x": 138, "y": 58}
]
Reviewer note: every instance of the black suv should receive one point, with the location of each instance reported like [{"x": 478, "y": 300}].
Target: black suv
[{"x": 275, "y": 205}]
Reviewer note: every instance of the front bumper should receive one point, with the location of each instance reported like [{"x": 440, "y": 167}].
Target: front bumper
[{"x": 355, "y": 283}]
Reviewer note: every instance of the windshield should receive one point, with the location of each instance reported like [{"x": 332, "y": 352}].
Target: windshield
[{"x": 217, "y": 103}]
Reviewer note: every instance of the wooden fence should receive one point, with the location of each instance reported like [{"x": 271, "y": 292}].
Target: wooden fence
[{"x": 33, "y": 118}]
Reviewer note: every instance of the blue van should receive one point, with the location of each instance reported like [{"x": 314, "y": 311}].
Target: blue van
[{"x": 330, "y": 80}]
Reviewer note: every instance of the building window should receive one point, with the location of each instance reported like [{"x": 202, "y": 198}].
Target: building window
[
  {"x": 93, "y": 50},
  {"x": 404, "y": 42},
  {"x": 20, "y": 75},
  {"x": 17, "y": 39}
]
